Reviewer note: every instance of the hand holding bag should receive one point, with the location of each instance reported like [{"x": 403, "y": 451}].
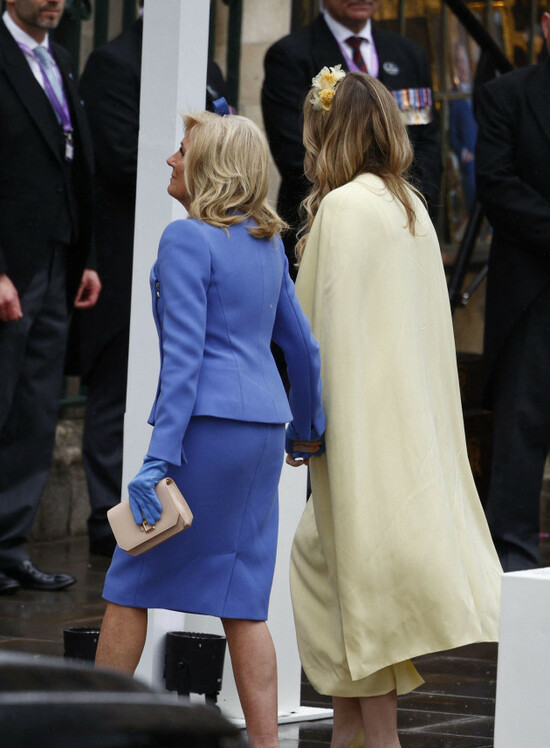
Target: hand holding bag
[{"x": 135, "y": 539}]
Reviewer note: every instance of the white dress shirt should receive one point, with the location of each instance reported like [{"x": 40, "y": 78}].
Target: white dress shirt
[{"x": 368, "y": 50}]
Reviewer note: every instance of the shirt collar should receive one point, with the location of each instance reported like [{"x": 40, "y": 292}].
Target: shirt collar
[
  {"x": 20, "y": 36},
  {"x": 341, "y": 32}
]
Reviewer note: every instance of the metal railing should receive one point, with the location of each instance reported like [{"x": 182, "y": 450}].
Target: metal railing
[{"x": 494, "y": 60}]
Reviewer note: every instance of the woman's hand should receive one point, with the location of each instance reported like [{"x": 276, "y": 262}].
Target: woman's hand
[
  {"x": 144, "y": 502},
  {"x": 300, "y": 450}
]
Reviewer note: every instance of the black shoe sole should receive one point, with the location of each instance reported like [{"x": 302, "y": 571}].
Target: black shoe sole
[{"x": 11, "y": 590}]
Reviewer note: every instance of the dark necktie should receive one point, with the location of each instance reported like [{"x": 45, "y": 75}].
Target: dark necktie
[{"x": 355, "y": 43}]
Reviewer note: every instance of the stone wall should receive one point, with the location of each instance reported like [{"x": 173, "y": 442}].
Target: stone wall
[{"x": 64, "y": 507}]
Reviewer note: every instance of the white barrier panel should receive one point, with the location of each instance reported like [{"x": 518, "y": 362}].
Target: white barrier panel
[
  {"x": 522, "y": 718},
  {"x": 173, "y": 81}
]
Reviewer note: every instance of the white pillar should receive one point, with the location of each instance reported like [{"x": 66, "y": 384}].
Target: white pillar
[
  {"x": 175, "y": 43},
  {"x": 522, "y": 715},
  {"x": 173, "y": 81}
]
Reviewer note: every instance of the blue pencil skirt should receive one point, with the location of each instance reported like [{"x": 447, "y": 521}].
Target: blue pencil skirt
[{"x": 223, "y": 564}]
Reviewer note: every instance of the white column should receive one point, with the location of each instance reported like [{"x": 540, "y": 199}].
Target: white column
[
  {"x": 175, "y": 43},
  {"x": 522, "y": 715},
  {"x": 173, "y": 81}
]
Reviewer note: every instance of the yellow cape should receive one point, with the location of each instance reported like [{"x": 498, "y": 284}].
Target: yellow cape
[{"x": 393, "y": 557}]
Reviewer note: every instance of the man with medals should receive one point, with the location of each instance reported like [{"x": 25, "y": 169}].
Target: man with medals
[{"x": 343, "y": 34}]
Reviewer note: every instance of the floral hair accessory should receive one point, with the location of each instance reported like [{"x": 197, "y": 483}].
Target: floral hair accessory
[{"x": 324, "y": 87}]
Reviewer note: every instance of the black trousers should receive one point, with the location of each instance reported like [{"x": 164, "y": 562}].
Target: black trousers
[
  {"x": 32, "y": 354},
  {"x": 521, "y": 439},
  {"x": 103, "y": 431}
]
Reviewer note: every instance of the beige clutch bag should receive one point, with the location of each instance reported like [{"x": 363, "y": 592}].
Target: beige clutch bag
[{"x": 135, "y": 539}]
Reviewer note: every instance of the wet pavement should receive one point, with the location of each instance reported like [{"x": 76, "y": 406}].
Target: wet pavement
[{"x": 454, "y": 708}]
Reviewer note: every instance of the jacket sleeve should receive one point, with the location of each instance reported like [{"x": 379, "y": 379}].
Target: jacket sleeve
[
  {"x": 426, "y": 142},
  {"x": 183, "y": 275},
  {"x": 285, "y": 86},
  {"x": 514, "y": 208},
  {"x": 292, "y": 333},
  {"x": 110, "y": 90}
]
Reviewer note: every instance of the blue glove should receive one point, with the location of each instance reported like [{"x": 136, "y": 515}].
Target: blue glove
[
  {"x": 292, "y": 436},
  {"x": 143, "y": 500}
]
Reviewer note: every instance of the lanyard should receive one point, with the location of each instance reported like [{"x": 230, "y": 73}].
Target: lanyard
[{"x": 60, "y": 107}]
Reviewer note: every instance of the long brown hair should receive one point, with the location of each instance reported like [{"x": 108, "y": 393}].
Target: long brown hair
[{"x": 363, "y": 132}]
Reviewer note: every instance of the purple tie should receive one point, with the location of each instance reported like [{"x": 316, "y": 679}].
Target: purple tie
[
  {"x": 355, "y": 43},
  {"x": 53, "y": 88}
]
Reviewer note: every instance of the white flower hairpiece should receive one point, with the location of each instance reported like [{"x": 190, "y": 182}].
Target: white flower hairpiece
[{"x": 324, "y": 87}]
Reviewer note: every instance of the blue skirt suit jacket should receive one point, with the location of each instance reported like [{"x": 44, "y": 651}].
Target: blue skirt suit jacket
[{"x": 219, "y": 298}]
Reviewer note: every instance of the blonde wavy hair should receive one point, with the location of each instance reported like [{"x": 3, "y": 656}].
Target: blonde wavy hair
[
  {"x": 363, "y": 132},
  {"x": 227, "y": 171}
]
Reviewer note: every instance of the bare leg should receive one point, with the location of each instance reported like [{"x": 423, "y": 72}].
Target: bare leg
[
  {"x": 380, "y": 721},
  {"x": 347, "y": 721},
  {"x": 122, "y": 637},
  {"x": 255, "y": 669},
  {"x": 370, "y": 722}
]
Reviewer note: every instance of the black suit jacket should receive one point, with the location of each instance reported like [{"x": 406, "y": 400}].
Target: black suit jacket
[
  {"x": 513, "y": 182},
  {"x": 110, "y": 88},
  {"x": 293, "y": 61},
  {"x": 40, "y": 200}
]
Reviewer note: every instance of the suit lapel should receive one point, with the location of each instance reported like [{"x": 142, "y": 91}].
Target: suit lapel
[
  {"x": 537, "y": 95},
  {"x": 29, "y": 91},
  {"x": 326, "y": 48},
  {"x": 383, "y": 53}
]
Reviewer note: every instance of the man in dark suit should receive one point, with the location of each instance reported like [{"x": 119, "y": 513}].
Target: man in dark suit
[
  {"x": 45, "y": 182},
  {"x": 513, "y": 182},
  {"x": 110, "y": 88},
  {"x": 343, "y": 35}
]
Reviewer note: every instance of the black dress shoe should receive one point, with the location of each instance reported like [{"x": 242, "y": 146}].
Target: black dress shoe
[
  {"x": 104, "y": 546},
  {"x": 8, "y": 586},
  {"x": 32, "y": 578}
]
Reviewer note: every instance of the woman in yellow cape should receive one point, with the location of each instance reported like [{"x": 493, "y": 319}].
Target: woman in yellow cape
[{"x": 392, "y": 558}]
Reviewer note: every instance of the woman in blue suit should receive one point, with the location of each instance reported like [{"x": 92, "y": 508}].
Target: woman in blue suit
[{"x": 221, "y": 292}]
